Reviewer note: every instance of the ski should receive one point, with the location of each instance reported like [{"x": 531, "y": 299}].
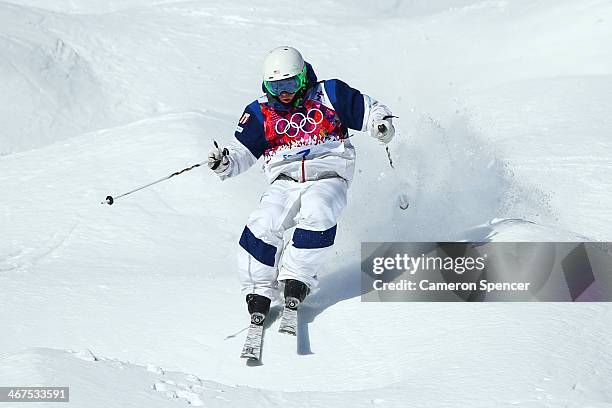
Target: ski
[
  {"x": 252, "y": 345},
  {"x": 289, "y": 321},
  {"x": 254, "y": 339}
]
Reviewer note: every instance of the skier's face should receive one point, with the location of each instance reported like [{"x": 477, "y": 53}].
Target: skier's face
[{"x": 286, "y": 97}]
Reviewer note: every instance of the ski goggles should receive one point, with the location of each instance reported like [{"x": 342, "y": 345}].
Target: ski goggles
[{"x": 289, "y": 85}]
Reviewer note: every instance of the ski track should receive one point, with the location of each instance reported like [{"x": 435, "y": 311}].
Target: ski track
[{"x": 26, "y": 258}]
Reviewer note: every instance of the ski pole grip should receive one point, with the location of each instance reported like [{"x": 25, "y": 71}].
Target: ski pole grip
[{"x": 382, "y": 128}]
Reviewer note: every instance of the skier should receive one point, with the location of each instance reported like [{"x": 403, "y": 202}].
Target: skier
[{"x": 300, "y": 128}]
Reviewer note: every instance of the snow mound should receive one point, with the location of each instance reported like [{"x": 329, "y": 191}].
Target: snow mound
[
  {"x": 48, "y": 90},
  {"x": 91, "y": 6},
  {"x": 519, "y": 230},
  {"x": 104, "y": 382},
  {"x": 101, "y": 382}
]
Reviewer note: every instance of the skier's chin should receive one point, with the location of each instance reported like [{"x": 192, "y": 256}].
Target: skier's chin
[{"x": 286, "y": 98}]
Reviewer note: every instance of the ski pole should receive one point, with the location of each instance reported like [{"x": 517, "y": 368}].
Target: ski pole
[
  {"x": 402, "y": 198},
  {"x": 389, "y": 156},
  {"x": 110, "y": 199},
  {"x": 381, "y": 129}
]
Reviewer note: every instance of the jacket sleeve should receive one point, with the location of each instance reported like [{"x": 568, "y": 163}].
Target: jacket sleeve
[
  {"x": 356, "y": 110},
  {"x": 249, "y": 143}
]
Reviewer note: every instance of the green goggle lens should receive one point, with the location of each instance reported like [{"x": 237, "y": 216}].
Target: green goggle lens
[{"x": 289, "y": 85}]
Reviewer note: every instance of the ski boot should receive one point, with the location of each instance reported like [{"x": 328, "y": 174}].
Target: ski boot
[
  {"x": 258, "y": 306},
  {"x": 295, "y": 293}
]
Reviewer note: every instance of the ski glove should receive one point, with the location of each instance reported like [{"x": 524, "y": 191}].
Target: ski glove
[
  {"x": 383, "y": 130},
  {"x": 218, "y": 159}
]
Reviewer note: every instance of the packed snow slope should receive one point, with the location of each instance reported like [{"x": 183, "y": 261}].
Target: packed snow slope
[{"x": 503, "y": 134}]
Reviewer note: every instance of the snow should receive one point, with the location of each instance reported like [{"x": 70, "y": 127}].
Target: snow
[{"x": 503, "y": 134}]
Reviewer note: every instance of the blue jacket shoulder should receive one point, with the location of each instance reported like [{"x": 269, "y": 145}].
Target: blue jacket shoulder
[
  {"x": 348, "y": 102},
  {"x": 250, "y": 131}
]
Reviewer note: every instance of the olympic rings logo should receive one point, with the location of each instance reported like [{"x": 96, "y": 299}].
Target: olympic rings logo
[{"x": 298, "y": 121}]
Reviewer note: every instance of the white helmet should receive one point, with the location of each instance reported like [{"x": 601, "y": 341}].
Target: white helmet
[{"x": 282, "y": 62}]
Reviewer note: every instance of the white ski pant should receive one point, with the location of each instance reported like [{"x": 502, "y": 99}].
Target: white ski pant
[{"x": 313, "y": 208}]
